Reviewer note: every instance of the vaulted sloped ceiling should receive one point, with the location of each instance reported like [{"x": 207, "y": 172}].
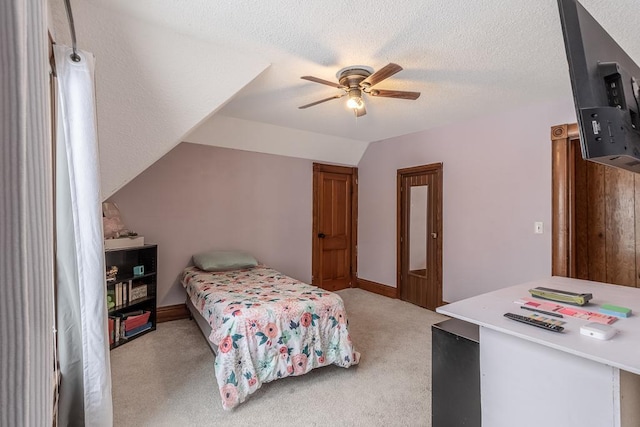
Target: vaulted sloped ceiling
[{"x": 153, "y": 85}]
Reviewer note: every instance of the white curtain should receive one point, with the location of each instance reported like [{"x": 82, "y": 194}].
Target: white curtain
[
  {"x": 26, "y": 218},
  {"x": 85, "y": 392}
]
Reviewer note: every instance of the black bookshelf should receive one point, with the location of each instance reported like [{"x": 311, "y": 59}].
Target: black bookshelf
[{"x": 131, "y": 296}]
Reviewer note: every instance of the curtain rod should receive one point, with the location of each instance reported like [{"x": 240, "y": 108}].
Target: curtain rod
[{"x": 74, "y": 56}]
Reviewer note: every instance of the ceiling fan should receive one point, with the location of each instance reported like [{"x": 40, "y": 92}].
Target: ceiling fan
[{"x": 357, "y": 80}]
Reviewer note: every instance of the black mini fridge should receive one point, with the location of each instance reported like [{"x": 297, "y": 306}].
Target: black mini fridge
[{"x": 455, "y": 392}]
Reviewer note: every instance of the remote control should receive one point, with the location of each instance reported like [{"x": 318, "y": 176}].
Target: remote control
[{"x": 534, "y": 322}]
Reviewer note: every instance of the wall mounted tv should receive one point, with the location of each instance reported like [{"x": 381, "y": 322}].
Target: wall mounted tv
[{"x": 606, "y": 91}]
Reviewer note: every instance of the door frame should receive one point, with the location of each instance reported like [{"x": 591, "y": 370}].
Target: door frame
[
  {"x": 563, "y": 206},
  {"x": 436, "y": 168},
  {"x": 315, "y": 245}
]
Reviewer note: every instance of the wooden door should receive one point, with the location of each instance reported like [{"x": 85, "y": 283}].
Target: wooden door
[
  {"x": 596, "y": 215},
  {"x": 334, "y": 226},
  {"x": 420, "y": 235}
]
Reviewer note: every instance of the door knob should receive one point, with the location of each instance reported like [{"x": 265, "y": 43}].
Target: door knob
[
  {"x": 434, "y": 235},
  {"x": 321, "y": 235}
]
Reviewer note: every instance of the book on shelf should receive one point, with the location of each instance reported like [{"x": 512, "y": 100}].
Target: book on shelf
[
  {"x": 118, "y": 293},
  {"x": 139, "y": 329},
  {"x": 123, "y": 293},
  {"x": 112, "y": 325},
  {"x": 116, "y": 332}
]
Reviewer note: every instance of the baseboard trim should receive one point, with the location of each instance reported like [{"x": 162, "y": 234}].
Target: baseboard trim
[
  {"x": 172, "y": 312},
  {"x": 377, "y": 288}
]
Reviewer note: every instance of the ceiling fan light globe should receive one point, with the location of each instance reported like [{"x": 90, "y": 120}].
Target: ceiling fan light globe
[{"x": 355, "y": 103}]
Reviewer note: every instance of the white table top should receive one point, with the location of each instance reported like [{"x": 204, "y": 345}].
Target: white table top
[{"x": 622, "y": 351}]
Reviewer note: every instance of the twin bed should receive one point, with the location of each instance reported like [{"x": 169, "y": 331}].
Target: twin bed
[{"x": 264, "y": 325}]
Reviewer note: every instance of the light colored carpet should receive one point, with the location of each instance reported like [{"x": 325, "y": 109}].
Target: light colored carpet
[{"x": 166, "y": 378}]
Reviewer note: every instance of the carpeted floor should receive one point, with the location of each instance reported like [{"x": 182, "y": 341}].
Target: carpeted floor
[{"x": 166, "y": 378}]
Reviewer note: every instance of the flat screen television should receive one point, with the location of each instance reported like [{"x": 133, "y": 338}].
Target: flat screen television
[{"x": 606, "y": 91}]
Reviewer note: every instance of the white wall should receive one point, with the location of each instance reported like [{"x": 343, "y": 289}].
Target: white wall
[
  {"x": 153, "y": 85},
  {"x": 497, "y": 183},
  {"x": 223, "y": 131}
]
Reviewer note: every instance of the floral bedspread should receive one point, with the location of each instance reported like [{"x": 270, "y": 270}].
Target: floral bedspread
[{"x": 267, "y": 326}]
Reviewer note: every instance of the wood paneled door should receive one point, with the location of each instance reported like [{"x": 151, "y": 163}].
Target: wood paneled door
[
  {"x": 335, "y": 204},
  {"x": 420, "y": 235},
  {"x": 596, "y": 215}
]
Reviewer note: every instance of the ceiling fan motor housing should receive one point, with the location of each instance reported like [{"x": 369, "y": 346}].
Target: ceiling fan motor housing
[
  {"x": 351, "y": 77},
  {"x": 355, "y": 92}
]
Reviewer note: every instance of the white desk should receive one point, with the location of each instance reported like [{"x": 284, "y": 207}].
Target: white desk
[{"x": 533, "y": 377}]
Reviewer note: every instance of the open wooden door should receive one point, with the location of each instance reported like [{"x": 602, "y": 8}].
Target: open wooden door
[
  {"x": 596, "y": 215},
  {"x": 420, "y": 235},
  {"x": 334, "y": 226}
]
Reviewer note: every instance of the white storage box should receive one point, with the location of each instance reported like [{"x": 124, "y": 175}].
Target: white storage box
[{"x": 124, "y": 242}]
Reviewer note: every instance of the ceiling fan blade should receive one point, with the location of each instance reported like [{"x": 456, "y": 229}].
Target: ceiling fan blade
[
  {"x": 360, "y": 111},
  {"x": 324, "y": 82},
  {"x": 383, "y": 73},
  {"x": 322, "y": 100},
  {"x": 395, "y": 94}
]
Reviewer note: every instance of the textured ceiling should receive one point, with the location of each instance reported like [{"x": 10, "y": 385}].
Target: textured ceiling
[{"x": 466, "y": 57}]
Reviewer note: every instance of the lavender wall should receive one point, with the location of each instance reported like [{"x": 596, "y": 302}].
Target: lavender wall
[
  {"x": 200, "y": 197},
  {"x": 497, "y": 183}
]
